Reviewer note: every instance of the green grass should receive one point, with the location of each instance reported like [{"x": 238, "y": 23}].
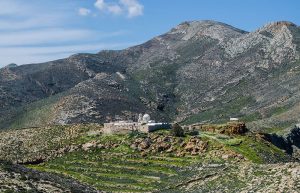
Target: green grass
[
  {"x": 258, "y": 151},
  {"x": 278, "y": 110},
  {"x": 251, "y": 117},
  {"x": 253, "y": 149},
  {"x": 276, "y": 130},
  {"x": 233, "y": 142},
  {"x": 223, "y": 112},
  {"x": 121, "y": 169},
  {"x": 118, "y": 172},
  {"x": 35, "y": 114}
]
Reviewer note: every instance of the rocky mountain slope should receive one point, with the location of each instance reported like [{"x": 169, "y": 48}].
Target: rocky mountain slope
[
  {"x": 17, "y": 178},
  {"x": 198, "y": 71}
]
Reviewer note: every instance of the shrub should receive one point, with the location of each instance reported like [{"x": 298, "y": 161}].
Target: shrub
[
  {"x": 177, "y": 130},
  {"x": 192, "y": 133}
]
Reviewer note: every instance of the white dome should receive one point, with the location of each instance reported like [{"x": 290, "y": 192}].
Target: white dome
[{"x": 146, "y": 118}]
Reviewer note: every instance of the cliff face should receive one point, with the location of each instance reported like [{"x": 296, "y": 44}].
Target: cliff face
[{"x": 198, "y": 71}]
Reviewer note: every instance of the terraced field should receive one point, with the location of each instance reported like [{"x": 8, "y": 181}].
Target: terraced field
[
  {"x": 122, "y": 169},
  {"x": 114, "y": 170},
  {"x": 115, "y": 166}
]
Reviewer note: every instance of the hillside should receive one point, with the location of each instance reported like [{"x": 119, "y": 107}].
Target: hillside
[
  {"x": 16, "y": 178},
  {"x": 198, "y": 71},
  {"x": 79, "y": 158}
]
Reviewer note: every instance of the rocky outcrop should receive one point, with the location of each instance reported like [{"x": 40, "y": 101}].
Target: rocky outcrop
[
  {"x": 234, "y": 128},
  {"x": 289, "y": 142},
  {"x": 170, "y": 144},
  {"x": 195, "y": 146},
  {"x": 231, "y": 128},
  {"x": 153, "y": 143}
]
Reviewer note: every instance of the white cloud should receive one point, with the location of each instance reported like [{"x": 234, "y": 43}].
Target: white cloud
[
  {"x": 8, "y": 7},
  {"x": 132, "y": 8},
  {"x": 27, "y": 55},
  {"x": 52, "y": 36},
  {"x": 100, "y": 4},
  {"x": 84, "y": 11},
  {"x": 43, "y": 36},
  {"x": 115, "y": 9},
  {"x": 31, "y": 22},
  {"x": 41, "y": 45},
  {"x": 43, "y": 31},
  {"x": 112, "y": 8}
]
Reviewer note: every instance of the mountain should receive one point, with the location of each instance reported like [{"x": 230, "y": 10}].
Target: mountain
[{"x": 199, "y": 71}]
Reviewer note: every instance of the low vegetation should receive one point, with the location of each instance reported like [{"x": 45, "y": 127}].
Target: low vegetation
[
  {"x": 177, "y": 131},
  {"x": 159, "y": 161}
]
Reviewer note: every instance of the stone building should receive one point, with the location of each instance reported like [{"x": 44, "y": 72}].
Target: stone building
[{"x": 144, "y": 124}]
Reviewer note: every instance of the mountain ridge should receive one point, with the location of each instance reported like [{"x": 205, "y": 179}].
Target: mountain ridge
[{"x": 198, "y": 71}]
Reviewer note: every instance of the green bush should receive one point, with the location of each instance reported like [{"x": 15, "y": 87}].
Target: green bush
[
  {"x": 192, "y": 132},
  {"x": 177, "y": 130}
]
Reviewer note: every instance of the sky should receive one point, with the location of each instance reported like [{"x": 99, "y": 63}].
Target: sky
[{"x": 34, "y": 31}]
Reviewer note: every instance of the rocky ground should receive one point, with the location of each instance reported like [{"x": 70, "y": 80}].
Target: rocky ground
[
  {"x": 17, "y": 178},
  {"x": 40, "y": 144},
  {"x": 245, "y": 177}
]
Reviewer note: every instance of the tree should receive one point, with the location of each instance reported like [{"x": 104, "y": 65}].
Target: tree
[{"x": 177, "y": 130}]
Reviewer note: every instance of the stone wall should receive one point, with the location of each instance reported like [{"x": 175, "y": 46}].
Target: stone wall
[
  {"x": 157, "y": 126},
  {"x": 127, "y": 127},
  {"x": 110, "y": 128}
]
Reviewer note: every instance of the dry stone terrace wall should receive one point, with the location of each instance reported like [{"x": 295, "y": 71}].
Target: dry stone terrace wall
[{"x": 39, "y": 144}]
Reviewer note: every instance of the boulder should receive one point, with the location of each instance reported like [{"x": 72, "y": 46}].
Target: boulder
[
  {"x": 100, "y": 146},
  {"x": 163, "y": 146},
  {"x": 189, "y": 146},
  {"x": 145, "y": 144},
  {"x": 89, "y": 145}
]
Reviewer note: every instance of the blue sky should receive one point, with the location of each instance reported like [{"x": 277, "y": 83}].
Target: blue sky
[{"x": 34, "y": 31}]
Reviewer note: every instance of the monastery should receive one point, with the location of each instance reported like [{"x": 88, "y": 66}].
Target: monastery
[{"x": 144, "y": 124}]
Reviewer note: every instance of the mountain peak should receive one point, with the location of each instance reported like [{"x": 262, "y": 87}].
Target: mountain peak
[
  {"x": 203, "y": 23},
  {"x": 12, "y": 65},
  {"x": 277, "y": 26},
  {"x": 281, "y": 23},
  {"x": 209, "y": 28}
]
